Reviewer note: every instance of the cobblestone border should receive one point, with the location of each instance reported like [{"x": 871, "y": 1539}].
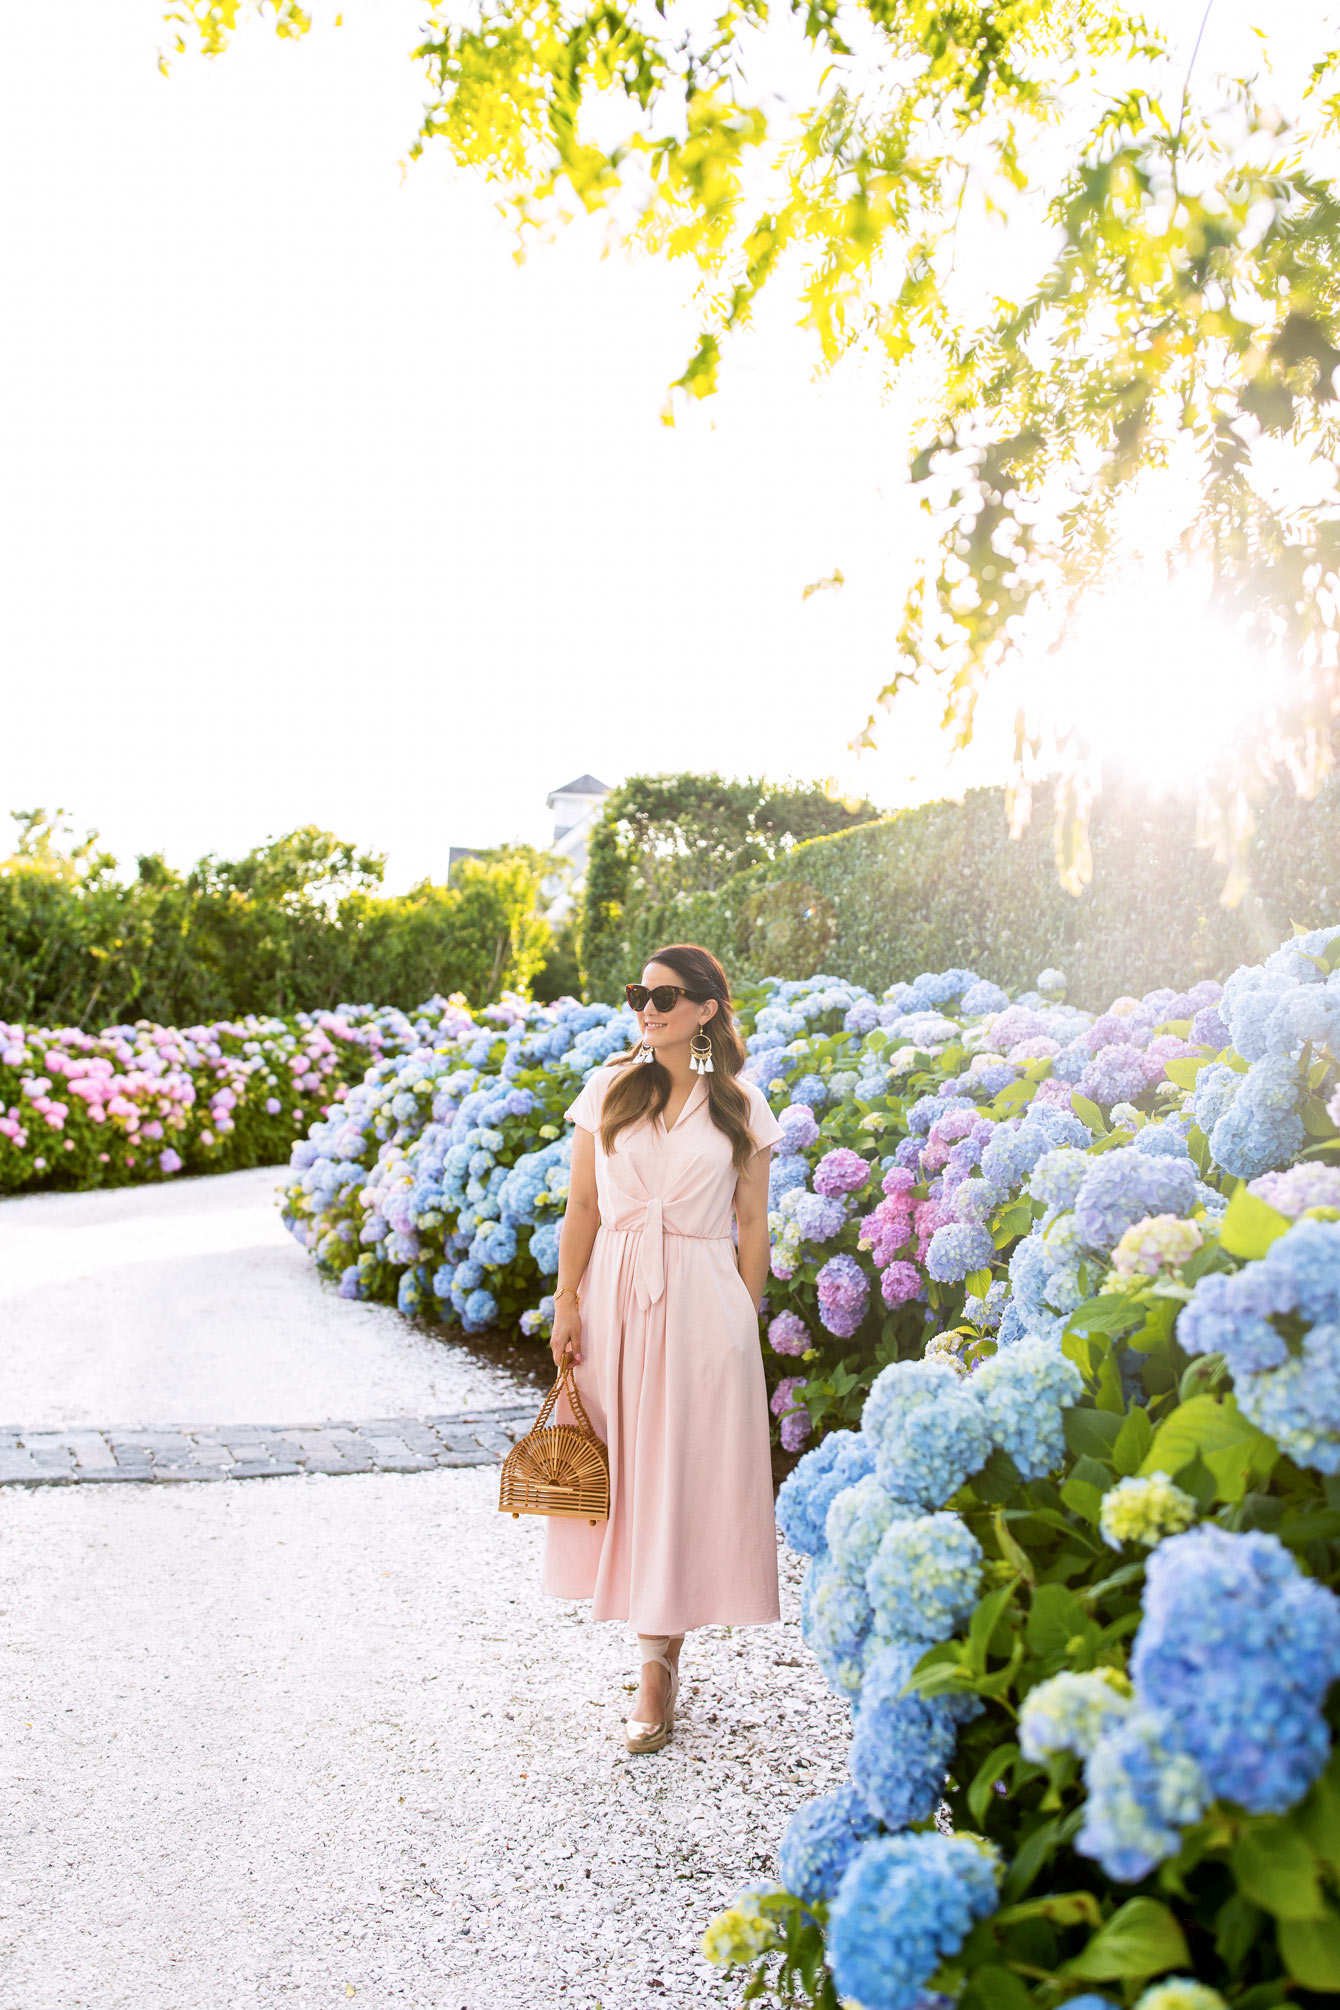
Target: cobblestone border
[{"x": 260, "y": 1451}]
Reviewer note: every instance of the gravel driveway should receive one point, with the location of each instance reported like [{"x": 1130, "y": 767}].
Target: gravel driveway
[{"x": 301, "y": 1741}]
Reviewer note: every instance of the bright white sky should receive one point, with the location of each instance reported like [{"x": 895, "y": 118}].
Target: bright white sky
[{"x": 320, "y": 509}]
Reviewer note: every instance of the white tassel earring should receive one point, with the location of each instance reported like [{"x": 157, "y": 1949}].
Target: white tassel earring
[
  {"x": 648, "y": 1054},
  {"x": 700, "y": 1051}
]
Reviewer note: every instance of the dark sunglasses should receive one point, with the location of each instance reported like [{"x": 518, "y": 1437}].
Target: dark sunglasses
[{"x": 662, "y": 996}]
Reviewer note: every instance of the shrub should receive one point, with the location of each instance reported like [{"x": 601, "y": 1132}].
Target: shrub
[
  {"x": 946, "y": 885},
  {"x": 1074, "y": 1567},
  {"x": 146, "y": 1102}
]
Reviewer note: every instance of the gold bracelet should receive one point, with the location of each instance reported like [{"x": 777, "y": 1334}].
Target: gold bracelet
[{"x": 564, "y": 1289}]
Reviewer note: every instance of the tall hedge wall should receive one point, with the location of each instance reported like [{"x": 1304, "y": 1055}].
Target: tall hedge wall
[{"x": 944, "y": 884}]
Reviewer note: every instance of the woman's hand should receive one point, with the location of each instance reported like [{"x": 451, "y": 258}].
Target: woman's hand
[{"x": 567, "y": 1333}]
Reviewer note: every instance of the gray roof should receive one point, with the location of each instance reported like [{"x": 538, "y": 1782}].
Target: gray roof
[{"x": 585, "y": 785}]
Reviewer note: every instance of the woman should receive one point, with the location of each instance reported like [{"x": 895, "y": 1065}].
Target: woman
[{"x": 659, "y": 1317}]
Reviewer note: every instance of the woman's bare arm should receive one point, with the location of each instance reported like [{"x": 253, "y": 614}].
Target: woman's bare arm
[
  {"x": 581, "y": 1219},
  {"x": 751, "y": 1214}
]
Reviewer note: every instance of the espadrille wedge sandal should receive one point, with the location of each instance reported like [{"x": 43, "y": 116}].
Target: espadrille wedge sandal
[{"x": 650, "y": 1737}]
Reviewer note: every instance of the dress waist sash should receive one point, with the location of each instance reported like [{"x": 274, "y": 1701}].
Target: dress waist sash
[{"x": 647, "y": 1221}]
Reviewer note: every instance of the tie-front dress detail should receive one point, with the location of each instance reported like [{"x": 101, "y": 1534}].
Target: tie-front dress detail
[{"x": 672, "y": 1378}]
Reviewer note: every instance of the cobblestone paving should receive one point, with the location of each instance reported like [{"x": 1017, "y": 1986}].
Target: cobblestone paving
[{"x": 260, "y": 1451}]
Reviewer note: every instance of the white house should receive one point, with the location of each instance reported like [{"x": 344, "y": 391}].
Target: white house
[{"x": 577, "y": 807}]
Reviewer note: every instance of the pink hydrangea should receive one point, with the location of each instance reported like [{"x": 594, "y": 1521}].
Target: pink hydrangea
[
  {"x": 899, "y": 1282},
  {"x": 885, "y": 1231}
]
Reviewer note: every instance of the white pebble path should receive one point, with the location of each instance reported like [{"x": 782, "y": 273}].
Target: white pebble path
[{"x": 311, "y": 1741}]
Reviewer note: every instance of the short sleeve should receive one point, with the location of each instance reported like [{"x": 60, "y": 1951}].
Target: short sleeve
[
  {"x": 585, "y": 1107},
  {"x": 764, "y": 1128}
]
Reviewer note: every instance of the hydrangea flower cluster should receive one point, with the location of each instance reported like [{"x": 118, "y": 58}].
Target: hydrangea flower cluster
[
  {"x": 1144, "y": 1511},
  {"x": 144, "y": 1102},
  {"x": 903, "y": 1906},
  {"x": 1231, "y": 1665},
  {"x": 1277, "y": 1324}
]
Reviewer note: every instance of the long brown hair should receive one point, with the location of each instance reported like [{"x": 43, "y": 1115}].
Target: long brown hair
[{"x": 644, "y": 1090}]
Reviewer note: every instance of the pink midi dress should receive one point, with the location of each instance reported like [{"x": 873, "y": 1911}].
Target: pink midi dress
[{"x": 672, "y": 1379}]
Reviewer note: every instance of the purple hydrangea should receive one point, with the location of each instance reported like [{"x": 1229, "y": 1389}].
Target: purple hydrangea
[
  {"x": 843, "y": 1288},
  {"x": 1124, "y": 1186},
  {"x": 841, "y": 1172},
  {"x": 1115, "y": 1075},
  {"x": 800, "y": 1128},
  {"x": 788, "y": 1333}
]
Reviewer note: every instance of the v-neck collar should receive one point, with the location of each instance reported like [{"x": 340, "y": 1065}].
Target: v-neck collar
[{"x": 688, "y": 1104}]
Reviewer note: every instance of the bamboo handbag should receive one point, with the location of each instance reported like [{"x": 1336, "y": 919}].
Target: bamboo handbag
[{"x": 558, "y": 1469}]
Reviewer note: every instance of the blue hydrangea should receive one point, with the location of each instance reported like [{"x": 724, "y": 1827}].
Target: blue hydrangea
[
  {"x": 1240, "y": 1648},
  {"x": 902, "y": 1746},
  {"x": 974, "y": 1202},
  {"x": 981, "y": 998},
  {"x": 1306, "y": 1014},
  {"x": 1058, "y": 1176},
  {"x": 1298, "y": 1404},
  {"x": 544, "y": 1247},
  {"x": 1262, "y": 1126},
  {"x": 835, "y": 1620},
  {"x": 807, "y": 1492},
  {"x": 1013, "y": 1152},
  {"x": 481, "y": 1311},
  {"x": 924, "y": 1579},
  {"x": 819, "y": 1842},
  {"x": 1142, "y": 1789},
  {"x": 810, "y": 1089},
  {"x": 985, "y": 1313},
  {"x": 1161, "y": 1141},
  {"x": 958, "y": 1248},
  {"x": 927, "y": 1432},
  {"x": 1291, "y": 1391},
  {"x": 856, "y": 1523},
  {"x": 1125, "y": 1186},
  {"x": 1022, "y": 1391},
  {"x": 787, "y": 1174},
  {"x": 905, "y": 1904}
]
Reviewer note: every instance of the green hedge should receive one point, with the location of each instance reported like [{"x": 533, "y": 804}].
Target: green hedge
[
  {"x": 300, "y": 923},
  {"x": 944, "y": 884}
]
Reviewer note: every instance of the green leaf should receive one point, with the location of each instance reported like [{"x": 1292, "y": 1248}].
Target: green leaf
[
  {"x": 994, "y": 1988},
  {"x": 977, "y": 1283},
  {"x": 986, "y": 1617},
  {"x": 1250, "y": 1225},
  {"x": 1110, "y": 1312},
  {"x": 1205, "y": 1428},
  {"x": 1090, "y": 1115},
  {"x": 1311, "y": 1950},
  {"x": 1315, "y": 1120},
  {"x": 1318, "y": 1817},
  {"x": 1059, "y": 1908},
  {"x": 1142, "y": 1938},
  {"x": 1237, "y": 1927},
  {"x": 993, "y": 1766},
  {"x": 1013, "y": 1552},
  {"x": 1277, "y": 1870},
  {"x": 1132, "y": 1441},
  {"x": 1092, "y": 1433},
  {"x": 1084, "y": 1489},
  {"x": 1016, "y": 1219},
  {"x": 1055, "y": 1616}
]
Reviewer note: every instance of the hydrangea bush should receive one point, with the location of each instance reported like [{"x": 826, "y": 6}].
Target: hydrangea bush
[
  {"x": 1073, "y": 1550},
  {"x": 145, "y": 1102}
]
